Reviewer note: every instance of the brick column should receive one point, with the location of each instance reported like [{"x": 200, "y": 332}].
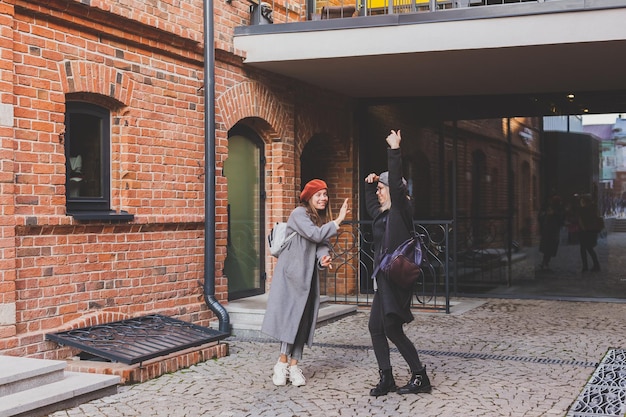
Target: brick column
[{"x": 7, "y": 208}]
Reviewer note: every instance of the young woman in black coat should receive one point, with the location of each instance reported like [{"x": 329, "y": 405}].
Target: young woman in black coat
[{"x": 389, "y": 205}]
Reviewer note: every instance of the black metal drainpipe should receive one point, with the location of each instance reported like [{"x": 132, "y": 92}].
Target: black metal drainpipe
[{"x": 209, "y": 174}]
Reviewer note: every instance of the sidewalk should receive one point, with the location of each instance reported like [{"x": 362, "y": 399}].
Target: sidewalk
[
  {"x": 564, "y": 279},
  {"x": 490, "y": 357}
]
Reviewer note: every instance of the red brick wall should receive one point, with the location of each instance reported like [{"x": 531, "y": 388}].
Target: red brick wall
[
  {"x": 330, "y": 153},
  {"x": 68, "y": 272},
  {"x": 145, "y": 63},
  {"x": 286, "y": 124},
  {"x": 7, "y": 188},
  {"x": 64, "y": 270}
]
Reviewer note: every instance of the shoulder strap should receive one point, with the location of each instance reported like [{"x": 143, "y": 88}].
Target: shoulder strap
[{"x": 289, "y": 237}]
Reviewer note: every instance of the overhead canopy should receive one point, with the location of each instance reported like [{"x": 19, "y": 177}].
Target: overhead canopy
[{"x": 541, "y": 51}]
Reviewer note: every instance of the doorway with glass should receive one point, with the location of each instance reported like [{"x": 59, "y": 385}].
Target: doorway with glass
[{"x": 243, "y": 170}]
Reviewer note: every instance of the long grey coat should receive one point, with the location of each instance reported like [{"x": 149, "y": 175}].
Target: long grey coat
[{"x": 297, "y": 266}]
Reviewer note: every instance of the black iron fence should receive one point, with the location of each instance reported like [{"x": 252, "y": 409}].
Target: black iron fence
[
  {"x": 470, "y": 256},
  {"x": 484, "y": 252},
  {"x": 350, "y": 280}
]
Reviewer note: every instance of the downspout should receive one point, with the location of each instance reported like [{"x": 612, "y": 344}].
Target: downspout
[
  {"x": 209, "y": 174},
  {"x": 511, "y": 208}
]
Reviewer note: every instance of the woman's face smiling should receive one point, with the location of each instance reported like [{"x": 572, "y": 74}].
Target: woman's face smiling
[
  {"x": 383, "y": 193},
  {"x": 320, "y": 199}
]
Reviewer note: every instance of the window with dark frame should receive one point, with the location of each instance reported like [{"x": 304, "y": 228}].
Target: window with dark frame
[{"x": 87, "y": 150}]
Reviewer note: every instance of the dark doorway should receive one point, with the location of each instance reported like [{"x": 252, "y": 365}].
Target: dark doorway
[{"x": 243, "y": 169}]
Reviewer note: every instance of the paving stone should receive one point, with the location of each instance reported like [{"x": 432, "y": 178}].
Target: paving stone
[{"x": 502, "y": 357}]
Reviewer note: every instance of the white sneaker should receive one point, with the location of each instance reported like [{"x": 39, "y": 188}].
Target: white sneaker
[
  {"x": 280, "y": 374},
  {"x": 296, "y": 377}
]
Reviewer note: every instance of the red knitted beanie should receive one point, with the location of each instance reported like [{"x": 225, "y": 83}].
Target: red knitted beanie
[{"x": 311, "y": 188}]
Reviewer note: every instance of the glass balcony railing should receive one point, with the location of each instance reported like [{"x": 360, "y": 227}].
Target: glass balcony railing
[{"x": 268, "y": 12}]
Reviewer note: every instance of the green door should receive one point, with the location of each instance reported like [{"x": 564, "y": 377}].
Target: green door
[{"x": 245, "y": 245}]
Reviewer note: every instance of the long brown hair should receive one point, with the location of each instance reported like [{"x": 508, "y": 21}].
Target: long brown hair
[{"x": 318, "y": 217}]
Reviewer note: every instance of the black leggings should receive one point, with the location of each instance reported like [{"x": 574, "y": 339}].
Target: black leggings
[
  {"x": 588, "y": 241},
  {"x": 381, "y": 328}
]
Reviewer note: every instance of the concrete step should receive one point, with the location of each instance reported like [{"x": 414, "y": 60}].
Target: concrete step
[
  {"x": 615, "y": 224},
  {"x": 618, "y": 225},
  {"x": 20, "y": 374},
  {"x": 246, "y": 314},
  {"x": 38, "y": 387},
  {"x": 330, "y": 311}
]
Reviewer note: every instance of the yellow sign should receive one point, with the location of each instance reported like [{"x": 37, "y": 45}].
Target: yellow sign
[{"x": 403, "y": 4}]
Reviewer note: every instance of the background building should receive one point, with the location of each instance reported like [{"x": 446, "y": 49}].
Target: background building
[{"x": 103, "y": 141}]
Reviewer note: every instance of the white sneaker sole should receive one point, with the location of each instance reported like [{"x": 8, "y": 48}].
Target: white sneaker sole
[
  {"x": 279, "y": 383},
  {"x": 278, "y": 379}
]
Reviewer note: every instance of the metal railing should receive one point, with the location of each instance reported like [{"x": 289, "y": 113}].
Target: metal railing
[
  {"x": 481, "y": 254},
  {"x": 350, "y": 280},
  {"x": 267, "y": 12},
  {"x": 484, "y": 251}
]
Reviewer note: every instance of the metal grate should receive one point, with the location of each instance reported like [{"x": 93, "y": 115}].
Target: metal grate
[
  {"x": 466, "y": 355},
  {"x": 137, "y": 340},
  {"x": 605, "y": 393}
]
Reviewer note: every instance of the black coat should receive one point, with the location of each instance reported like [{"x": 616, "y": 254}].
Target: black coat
[{"x": 398, "y": 219}]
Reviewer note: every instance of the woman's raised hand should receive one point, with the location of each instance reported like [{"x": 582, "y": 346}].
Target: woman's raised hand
[
  {"x": 394, "y": 139},
  {"x": 343, "y": 211},
  {"x": 371, "y": 178}
]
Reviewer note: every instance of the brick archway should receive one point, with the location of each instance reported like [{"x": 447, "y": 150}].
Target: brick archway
[
  {"x": 91, "y": 77},
  {"x": 94, "y": 319},
  {"x": 255, "y": 106},
  {"x": 254, "y": 100}
]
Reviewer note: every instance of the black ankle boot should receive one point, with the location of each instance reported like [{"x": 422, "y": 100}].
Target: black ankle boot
[
  {"x": 419, "y": 382},
  {"x": 385, "y": 385}
]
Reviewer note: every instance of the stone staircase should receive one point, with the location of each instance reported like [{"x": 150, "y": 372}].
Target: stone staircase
[
  {"x": 38, "y": 387},
  {"x": 618, "y": 225},
  {"x": 246, "y": 314}
]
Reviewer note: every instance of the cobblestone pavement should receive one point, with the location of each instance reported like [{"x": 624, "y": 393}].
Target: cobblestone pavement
[{"x": 490, "y": 357}]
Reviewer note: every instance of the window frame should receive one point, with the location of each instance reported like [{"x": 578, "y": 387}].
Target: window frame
[{"x": 89, "y": 207}]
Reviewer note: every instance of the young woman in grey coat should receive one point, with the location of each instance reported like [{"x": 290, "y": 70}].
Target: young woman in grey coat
[
  {"x": 293, "y": 301},
  {"x": 388, "y": 203}
]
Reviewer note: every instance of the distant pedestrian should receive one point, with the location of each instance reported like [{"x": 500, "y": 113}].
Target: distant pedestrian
[
  {"x": 387, "y": 201},
  {"x": 294, "y": 296},
  {"x": 551, "y": 219},
  {"x": 590, "y": 224}
]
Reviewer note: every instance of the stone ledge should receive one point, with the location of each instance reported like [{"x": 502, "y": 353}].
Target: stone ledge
[{"x": 136, "y": 373}]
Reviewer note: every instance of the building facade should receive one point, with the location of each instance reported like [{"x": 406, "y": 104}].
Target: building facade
[
  {"x": 103, "y": 160},
  {"x": 103, "y": 140}
]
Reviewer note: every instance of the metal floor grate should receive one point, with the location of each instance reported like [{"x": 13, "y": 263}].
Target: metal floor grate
[
  {"x": 465, "y": 355},
  {"x": 605, "y": 393},
  {"x": 137, "y": 340}
]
